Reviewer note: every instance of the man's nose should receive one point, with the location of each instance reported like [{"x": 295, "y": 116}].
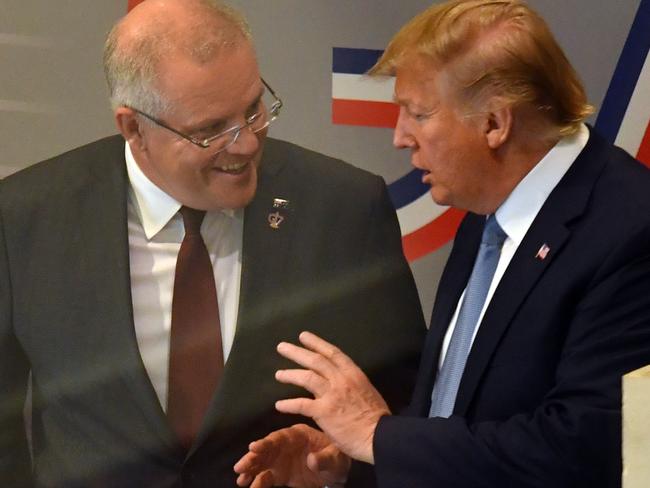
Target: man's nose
[
  {"x": 246, "y": 143},
  {"x": 402, "y": 138}
]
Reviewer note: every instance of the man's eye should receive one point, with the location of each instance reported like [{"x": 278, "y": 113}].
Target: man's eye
[
  {"x": 209, "y": 132},
  {"x": 420, "y": 117},
  {"x": 253, "y": 109}
]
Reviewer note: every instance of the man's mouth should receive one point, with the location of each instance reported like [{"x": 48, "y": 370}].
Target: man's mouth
[{"x": 233, "y": 168}]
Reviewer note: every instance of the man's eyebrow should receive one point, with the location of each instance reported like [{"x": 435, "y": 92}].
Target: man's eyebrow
[
  {"x": 258, "y": 98},
  {"x": 221, "y": 122}
]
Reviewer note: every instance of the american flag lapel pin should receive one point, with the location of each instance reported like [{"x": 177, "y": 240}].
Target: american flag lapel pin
[{"x": 543, "y": 252}]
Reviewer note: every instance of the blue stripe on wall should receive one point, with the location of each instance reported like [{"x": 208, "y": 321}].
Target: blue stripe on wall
[
  {"x": 626, "y": 74},
  {"x": 354, "y": 61},
  {"x": 407, "y": 189}
]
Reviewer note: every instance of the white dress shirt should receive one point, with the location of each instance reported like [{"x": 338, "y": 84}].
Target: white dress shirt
[
  {"x": 517, "y": 212},
  {"x": 155, "y": 235}
]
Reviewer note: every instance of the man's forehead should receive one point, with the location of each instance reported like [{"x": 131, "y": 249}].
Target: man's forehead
[
  {"x": 222, "y": 88},
  {"x": 415, "y": 81}
]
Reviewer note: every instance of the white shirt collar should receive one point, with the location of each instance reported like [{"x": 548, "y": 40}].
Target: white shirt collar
[
  {"x": 517, "y": 213},
  {"x": 155, "y": 208}
]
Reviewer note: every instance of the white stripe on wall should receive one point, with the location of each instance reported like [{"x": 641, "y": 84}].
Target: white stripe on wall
[
  {"x": 361, "y": 87},
  {"x": 418, "y": 213},
  {"x": 637, "y": 115}
]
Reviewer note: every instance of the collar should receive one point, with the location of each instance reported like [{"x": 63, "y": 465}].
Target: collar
[
  {"x": 154, "y": 207},
  {"x": 517, "y": 213}
]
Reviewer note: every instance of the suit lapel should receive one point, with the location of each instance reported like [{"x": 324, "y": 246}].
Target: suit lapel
[
  {"x": 520, "y": 278},
  {"x": 266, "y": 248},
  {"x": 551, "y": 228},
  {"x": 267, "y": 234},
  {"x": 105, "y": 224}
]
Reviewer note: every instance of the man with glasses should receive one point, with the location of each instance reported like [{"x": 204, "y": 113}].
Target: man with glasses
[{"x": 147, "y": 370}]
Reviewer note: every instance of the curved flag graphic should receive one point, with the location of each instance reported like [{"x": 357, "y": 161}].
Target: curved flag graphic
[{"x": 624, "y": 117}]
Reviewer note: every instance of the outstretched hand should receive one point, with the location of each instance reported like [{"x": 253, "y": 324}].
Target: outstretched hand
[
  {"x": 345, "y": 405},
  {"x": 298, "y": 456}
]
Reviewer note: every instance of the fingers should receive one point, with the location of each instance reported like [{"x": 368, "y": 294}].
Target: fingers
[
  {"x": 263, "y": 480},
  {"x": 244, "y": 479},
  {"x": 306, "y": 358},
  {"x": 260, "y": 454},
  {"x": 316, "y": 344},
  {"x": 307, "y": 379},
  {"x": 245, "y": 464},
  {"x": 330, "y": 464},
  {"x": 323, "y": 358},
  {"x": 300, "y": 406},
  {"x": 324, "y": 460},
  {"x": 326, "y": 349},
  {"x": 321, "y": 348},
  {"x": 251, "y": 463}
]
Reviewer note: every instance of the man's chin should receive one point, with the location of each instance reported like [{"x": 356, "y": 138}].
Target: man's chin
[
  {"x": 439, "y": 197},
  {"x": 233, "y": 200}
]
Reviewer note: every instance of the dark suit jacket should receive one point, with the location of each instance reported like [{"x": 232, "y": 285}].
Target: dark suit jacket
[
  {"x": 539, "y": 401},
  {"x": 334, "y": 267}
]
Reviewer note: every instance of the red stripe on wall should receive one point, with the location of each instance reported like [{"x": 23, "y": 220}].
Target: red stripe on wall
[
  {"x": 361, "y": 112},
  {"x": 644, "y": 149},
  {"x": 133, "y": 3},
  {"x": 433, "y": 235}
]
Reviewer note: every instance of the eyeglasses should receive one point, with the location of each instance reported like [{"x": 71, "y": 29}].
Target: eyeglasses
[{"x": 258, "y": 121}]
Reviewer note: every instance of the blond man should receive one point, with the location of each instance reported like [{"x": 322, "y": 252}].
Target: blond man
[{"x": 544, "y": 301}]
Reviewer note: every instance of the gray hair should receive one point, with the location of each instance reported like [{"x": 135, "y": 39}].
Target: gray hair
[{"x": 131, "y": 67}]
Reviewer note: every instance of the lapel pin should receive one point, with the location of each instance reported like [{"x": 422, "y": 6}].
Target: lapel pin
[
  {"x": 275, "y": 219},
  {"x": 280, "y": 203},
  {"x": 543, "y": 252}
]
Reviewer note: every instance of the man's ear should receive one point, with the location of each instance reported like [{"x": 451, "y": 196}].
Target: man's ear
[
  {"x": 498, "y": 125},
  {"x": 130, "y": 127}
]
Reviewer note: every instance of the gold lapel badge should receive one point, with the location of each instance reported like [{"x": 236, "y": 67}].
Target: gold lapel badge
[
  {"x": 280, "y": 203},
  {"x": 276, "y": 218}
]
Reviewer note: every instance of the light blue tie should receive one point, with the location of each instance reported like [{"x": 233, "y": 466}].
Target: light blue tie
[{"x": 443, "y": 397}]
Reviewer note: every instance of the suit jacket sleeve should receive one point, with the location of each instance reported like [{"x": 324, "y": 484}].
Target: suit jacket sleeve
[
  {"x": 573, "y": 437},
  {"x": 15, "y": 469}
]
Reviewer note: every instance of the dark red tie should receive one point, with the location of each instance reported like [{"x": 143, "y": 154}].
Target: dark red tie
[{"x": 195, "y": 354}]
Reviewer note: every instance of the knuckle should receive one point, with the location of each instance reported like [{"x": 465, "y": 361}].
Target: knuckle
[{"x": 335, "y": 353}]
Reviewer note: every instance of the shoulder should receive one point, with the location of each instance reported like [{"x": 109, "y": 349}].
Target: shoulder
[
  {"x": 622, "y": 190},
  {"x": 70, "y": 162},
  {"x": 65, "y": 172}
]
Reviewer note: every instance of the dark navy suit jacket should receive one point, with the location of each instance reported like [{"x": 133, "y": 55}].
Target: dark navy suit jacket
[{"x": 539, "y": 404}]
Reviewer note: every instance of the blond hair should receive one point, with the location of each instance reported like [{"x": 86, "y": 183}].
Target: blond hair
[
  {"x": 131, "y": 65},
  {"x": 491, "y": 47}
]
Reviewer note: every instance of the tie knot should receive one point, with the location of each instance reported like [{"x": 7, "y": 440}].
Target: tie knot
[
  {"x": 192, "y": 219},
  {"x": 493, "y": 234}
]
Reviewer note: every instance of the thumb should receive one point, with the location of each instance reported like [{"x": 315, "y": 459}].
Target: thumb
[{"x": 331, "y": 461}]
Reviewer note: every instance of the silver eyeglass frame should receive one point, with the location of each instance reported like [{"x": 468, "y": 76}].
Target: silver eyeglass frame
[{"x": 273, "y": 110}]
